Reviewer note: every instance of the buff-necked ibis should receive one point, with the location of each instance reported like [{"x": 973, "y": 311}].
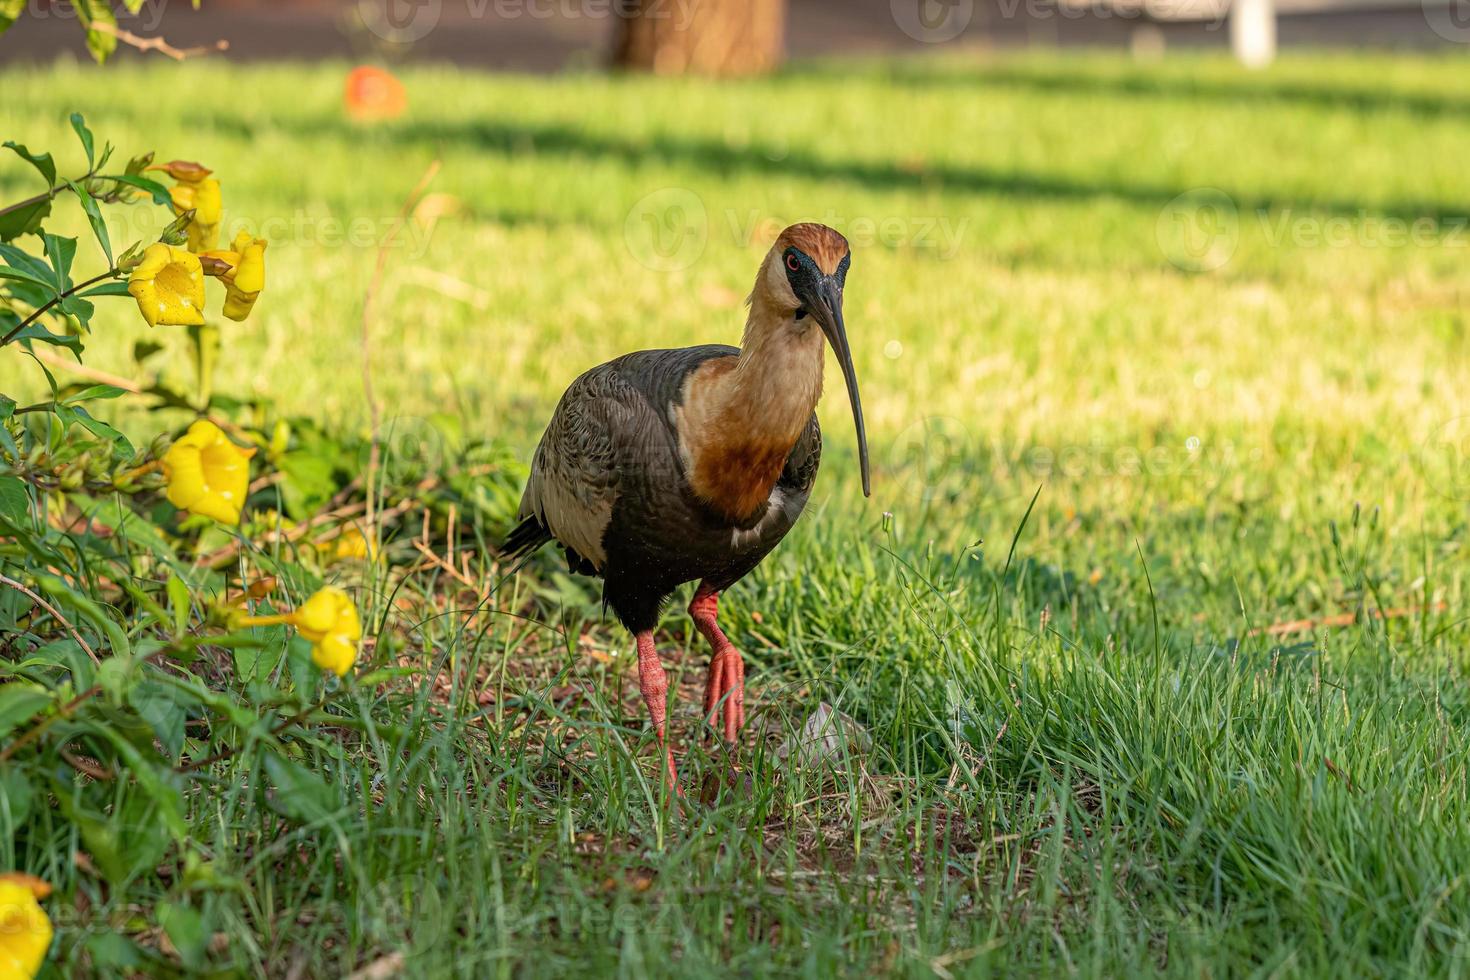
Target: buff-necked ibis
[{"x": 670, "y": 466}]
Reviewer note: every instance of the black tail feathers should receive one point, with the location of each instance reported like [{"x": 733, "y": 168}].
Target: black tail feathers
[{"x": 527, "y": 536}]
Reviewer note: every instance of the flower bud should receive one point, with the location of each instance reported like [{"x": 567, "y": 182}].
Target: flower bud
[
  {"x": 132, "y": 258},
  {"x": 176, "y": 233},
  {"x": 185, "y": 170}
]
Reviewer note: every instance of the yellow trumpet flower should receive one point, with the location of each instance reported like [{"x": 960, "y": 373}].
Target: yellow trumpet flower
[
  {"x": 25, "y": 929},
  {"x": 207, "y": 473},
  {"x": 169, "y": 286},
  {"x": 328, "y": 620},
  {"x": 352, "y": 544},
  {"x": 197, "y": 190},
  {"x": 245, "y": 277}
]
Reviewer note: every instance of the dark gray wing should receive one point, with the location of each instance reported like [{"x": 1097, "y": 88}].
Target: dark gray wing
[
  {"x": 611, "y": 429},
  {"x": 574, "y": 478}
]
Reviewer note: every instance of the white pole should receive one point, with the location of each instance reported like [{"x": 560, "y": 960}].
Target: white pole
[{"x": 1253, "y": 32}]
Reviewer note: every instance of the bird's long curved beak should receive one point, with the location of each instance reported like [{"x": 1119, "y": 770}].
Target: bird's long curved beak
[{"x": 827, "y": 309}]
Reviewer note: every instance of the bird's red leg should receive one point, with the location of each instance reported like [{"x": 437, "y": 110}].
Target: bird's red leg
[
  {"x": 725, "y": 688},
  {"x": 655, "y": 687}
]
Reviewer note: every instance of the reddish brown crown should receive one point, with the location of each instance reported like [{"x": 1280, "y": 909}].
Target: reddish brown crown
[{"x": 826, "y": 247}]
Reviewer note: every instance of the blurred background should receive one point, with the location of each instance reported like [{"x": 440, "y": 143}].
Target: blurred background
[{"x": 741, "y": 35}]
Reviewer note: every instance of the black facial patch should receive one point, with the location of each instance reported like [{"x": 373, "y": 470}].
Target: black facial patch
[{"x": 801, "y": 271}]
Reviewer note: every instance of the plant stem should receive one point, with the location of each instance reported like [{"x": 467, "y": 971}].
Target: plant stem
[
  {"x": 53, "y": 301},
  {"x": 49, "y": 194}
]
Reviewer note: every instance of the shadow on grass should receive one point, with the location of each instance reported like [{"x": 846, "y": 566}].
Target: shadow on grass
[
  {"x": 1247, "y": 92},
  {"x": 718, "y": 157}
]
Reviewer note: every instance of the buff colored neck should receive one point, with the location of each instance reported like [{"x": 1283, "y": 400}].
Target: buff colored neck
[
  {"x": 777, "y": 380},
  {"x": 742, "y": 415}
]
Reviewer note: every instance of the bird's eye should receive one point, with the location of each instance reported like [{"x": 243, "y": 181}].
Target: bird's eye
[{"x": 791, "y": 263}]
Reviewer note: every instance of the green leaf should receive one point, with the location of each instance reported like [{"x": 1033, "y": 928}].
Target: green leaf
[
  {"x": 6, "y": 272},
  {"x": 116, "y": 288},
  {"x": 60, "y": 252},
  {"x": 160, "y": 784},
  {"x": 98, "y": 834},
  {"x": 102, "y": 430},
  {"x": 116, "y": 677},
  {"x": 122, "y": 520},
  {"x": 41, "y": 161},
  {"x": 24, "y": 261},
  {"x": 38, "y": 331},
  {"x": 156, "y": 705},
  {"x": 300, "y": 793},
  {"x": 96, "y": 391},
  {"x": 20, "y": 701},
  {"x": 114, "y": 952},
  {"x": 179, "y": 601},
  {"x": 64, "y": 594},
  {"x": 94, "y": 215},
  {"x": 25, "y": 220},
  {"x": 15, "y": 500},
  {"x": 254, "y": 665},
  {"x": 10, "y": 11},
  {"x": 158, "y": 191},
  {"x": 185, "y": 929},
  {"x": 15, "y": 796},
  {"x": 84, "y": 134},
  {"x": 100, "y": 43}
]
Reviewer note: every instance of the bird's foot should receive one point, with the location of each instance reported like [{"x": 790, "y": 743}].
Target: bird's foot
[{"x": 724, "y": 692}]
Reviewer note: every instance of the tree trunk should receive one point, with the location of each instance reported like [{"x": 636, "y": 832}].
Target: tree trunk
[{"x": 704, "y": 37}]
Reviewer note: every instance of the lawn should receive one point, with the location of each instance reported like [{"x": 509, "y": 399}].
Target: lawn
[{"x": 1201, "y": 710}]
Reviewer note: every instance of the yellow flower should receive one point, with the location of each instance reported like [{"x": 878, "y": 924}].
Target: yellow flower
[
  {"x": 197, "y": 190},
  {"x": 245, "y": 277},
  {"x": 353, "y": 544},
  {"x": 169, "y": 286},
  {"x": 204, "y": 198},
  {"x": 25, "y": 931},
  {"x": 207, "y": 473},
  {"x": 328, "y": 620}
]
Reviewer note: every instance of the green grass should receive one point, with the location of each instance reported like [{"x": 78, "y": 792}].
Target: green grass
[{"x": 1083, "y": 758}]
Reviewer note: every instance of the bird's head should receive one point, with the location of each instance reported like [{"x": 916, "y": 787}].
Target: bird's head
[{"x": 803, "y": 277}]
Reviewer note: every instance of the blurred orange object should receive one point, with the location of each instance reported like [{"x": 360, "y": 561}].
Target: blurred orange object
[{"x": 374, "y": 94}]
